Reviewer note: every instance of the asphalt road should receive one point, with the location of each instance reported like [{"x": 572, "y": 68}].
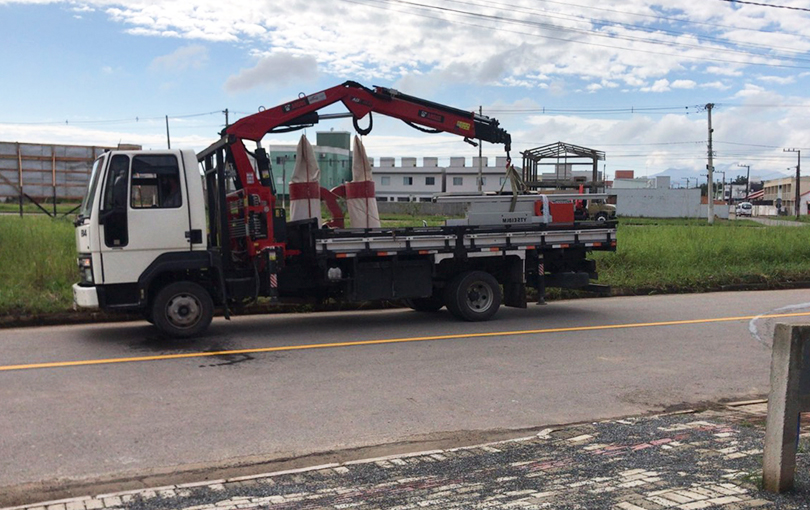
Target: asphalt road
[{"x": 132, "y": 411}]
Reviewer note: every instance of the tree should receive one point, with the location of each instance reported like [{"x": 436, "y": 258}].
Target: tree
[{"x": 704, "y": 188}]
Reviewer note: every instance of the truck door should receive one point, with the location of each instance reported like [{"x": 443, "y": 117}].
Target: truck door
[{"x": 144, "y": 214}]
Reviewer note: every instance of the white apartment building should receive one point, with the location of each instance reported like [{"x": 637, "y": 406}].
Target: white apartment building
[
  {"x": 566, "y": 172},
  {"x": 411, "y": 182}
]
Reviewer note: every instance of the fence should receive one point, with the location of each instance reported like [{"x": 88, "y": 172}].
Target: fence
[{"x": 45, "y": 173}]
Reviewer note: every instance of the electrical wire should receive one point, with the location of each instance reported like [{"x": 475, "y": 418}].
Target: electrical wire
[
  {"x": 650, "y": 16},
  {"x": 611, "y": 23},
  {"x": 630, "y": 109},
  {"x": 129, "y": 120},
  {"x": 501, "y": 19},
  {"x": 767, "y": 5}
]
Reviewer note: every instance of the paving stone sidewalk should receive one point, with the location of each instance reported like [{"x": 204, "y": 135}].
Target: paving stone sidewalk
[{"x": 710, "y": 459}]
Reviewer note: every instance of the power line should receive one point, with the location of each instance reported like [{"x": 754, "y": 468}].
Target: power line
[
  {"x": 630, "y": 109},
  {"x": 656, "y": 30},
  {"x": 653, "y": 16},
  {"x": 647, "y": 144},
  {"x": 499, "y": 111},
  {"x": 751, "y": 145},
  {"x": 129, "y": 120},
  {"x": 768, "y": 5},
  {"x": 501, "y": 19}
]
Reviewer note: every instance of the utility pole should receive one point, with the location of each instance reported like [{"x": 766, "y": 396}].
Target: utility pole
[
  {"x": 687, "y": 181},
  {"x": 747, "y": 179},
  {"x": 798, "y": 180},
  {"x": 710, "y": 167},
  {"x": 480, "y": 158},
  {"x": 168, "y": 139},
  {"x": 225, "y": 111}
]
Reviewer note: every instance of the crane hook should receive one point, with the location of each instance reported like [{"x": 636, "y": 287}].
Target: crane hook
[{"x": 360, "y": 130}]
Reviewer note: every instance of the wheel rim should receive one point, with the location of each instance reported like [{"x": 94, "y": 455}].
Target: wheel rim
[
  {"x": 479, "y": 297},
  {"x": 183, "y": 311}
]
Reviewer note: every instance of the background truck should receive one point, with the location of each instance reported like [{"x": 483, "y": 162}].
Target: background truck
[
  {"x": 173, "y": 234},
  {"x": 594, "y": 207}
]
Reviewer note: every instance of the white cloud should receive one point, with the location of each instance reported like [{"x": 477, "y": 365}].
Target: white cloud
[
  {"x": 749, "y": 90},
  {"x": 192, "y": 56},
  {"x": 729, "y": 70},
  {"x": 779, "y": 80},
  {"x": 391, "y": 40},
  {"x": 719, "y": 85},
  {"x": 683, "y": 84},
  {"x": 659, "y": 86},
  {"x": 274, "y": 69},
  {"x": 73, "y": 135}
]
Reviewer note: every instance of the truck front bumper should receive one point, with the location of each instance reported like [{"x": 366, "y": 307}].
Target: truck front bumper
[{"x": 85, "y": 297}]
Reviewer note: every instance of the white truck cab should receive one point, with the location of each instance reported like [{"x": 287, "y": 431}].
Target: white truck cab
[{"x": 139, "y": 207}]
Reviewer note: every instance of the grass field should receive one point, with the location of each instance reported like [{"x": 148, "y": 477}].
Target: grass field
[
  {"x": 38, "y": 259},
  {"x": 804, "y": 218},
  {"x": 37, "y": 264},
  {"x": 696, "y": 257}
]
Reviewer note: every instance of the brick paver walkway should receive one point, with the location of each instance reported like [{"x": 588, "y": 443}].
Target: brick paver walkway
[{"x": 690, "y": 461}]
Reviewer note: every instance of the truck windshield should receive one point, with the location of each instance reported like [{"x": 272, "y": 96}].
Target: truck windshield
[{"x": 95, "y": 175}]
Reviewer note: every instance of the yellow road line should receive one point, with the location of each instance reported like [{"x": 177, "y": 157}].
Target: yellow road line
[{"x": 62, "y": 364}]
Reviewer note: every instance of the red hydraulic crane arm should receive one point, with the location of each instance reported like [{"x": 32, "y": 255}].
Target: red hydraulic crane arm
[
  {"x": 360, "y": 100},
  {"x": 256, "y": 191}
]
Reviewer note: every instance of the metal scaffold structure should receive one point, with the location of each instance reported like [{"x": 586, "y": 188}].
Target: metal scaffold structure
[{"x": 561, "y": 156}]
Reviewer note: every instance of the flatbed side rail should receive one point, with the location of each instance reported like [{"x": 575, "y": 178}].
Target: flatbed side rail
[{"x": 441, "y": 239}]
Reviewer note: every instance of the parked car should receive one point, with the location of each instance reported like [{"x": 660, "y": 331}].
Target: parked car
[{"x": 744, "y": 209}]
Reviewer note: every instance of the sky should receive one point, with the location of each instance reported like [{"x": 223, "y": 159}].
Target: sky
[{"x": 631, "y": 78}]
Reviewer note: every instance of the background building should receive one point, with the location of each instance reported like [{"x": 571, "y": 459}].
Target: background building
[
  {"x": 785, "y": 190},
  {"x": 414, "y": 182},
  {"x": 333, "y": 150},
  {"x": 625, "y": 179}
]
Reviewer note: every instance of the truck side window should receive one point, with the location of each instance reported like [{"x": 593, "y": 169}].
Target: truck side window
[
  {"x": 114, "y": 203},
  {"x": 155, "y": 182},
  {"x": 115, "y": 191}
]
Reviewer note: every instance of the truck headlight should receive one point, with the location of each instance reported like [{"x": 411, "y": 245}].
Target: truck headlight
[{"x": 85, "y": 268}]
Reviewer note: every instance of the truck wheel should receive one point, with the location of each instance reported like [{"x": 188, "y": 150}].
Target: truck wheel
[
  {"x": 182, "y": 309},
  {"x": 601, "y": 217},
  {"x": 426, "y": 304},
  {"x": 473, "y": 296}
]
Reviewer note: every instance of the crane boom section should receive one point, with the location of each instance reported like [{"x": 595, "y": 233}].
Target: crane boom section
[{"x": 360, "y": 101}]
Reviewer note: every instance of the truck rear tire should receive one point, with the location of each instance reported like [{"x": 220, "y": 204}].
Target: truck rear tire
[
  {"x": 426, "y": 304},
  {"x": 473, "y": 296},
  {"x": 602, "y": 217},
  {"x": 182, "y": 309}
]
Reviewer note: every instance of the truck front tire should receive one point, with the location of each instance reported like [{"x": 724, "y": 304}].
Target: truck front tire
[
  {"x": 182, "y": 309},
  {"x": 473, "y": 296}
]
